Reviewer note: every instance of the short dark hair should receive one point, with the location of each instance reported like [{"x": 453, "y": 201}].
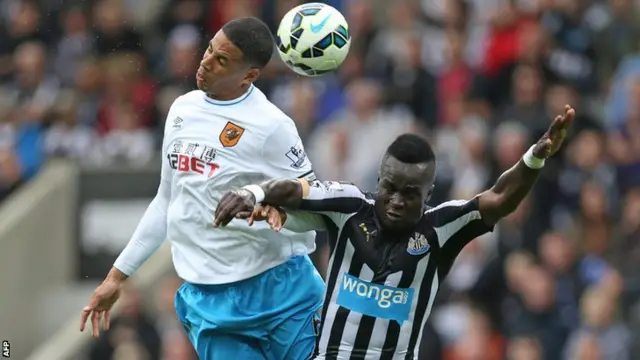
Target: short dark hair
[
  {"x": 411, "y": 149},
  {"x": 253, "y": 38}
]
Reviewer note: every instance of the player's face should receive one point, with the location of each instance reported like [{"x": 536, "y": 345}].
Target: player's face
[
  {"x": 402, "y": 192},
  {"x": 223, "y": 73}
]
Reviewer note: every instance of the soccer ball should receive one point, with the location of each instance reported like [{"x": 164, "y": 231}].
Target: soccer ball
[{"x": 313, "y": 39}]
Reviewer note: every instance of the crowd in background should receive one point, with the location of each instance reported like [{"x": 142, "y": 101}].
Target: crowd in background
[{"x": 558, "y": 279}]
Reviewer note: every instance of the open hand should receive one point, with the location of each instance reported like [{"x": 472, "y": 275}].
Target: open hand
[
  {"x": 238, "y": 204},
  {"x": 274, "y": 216},
  {"x": 99, "y": 306},
  {"x": 553, "y": 138}
]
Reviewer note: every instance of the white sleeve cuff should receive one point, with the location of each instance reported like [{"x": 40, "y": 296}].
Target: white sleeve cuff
[{"x": 257, "y": 192}]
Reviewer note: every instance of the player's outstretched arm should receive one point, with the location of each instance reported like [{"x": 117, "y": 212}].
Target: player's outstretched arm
[
  {"x": 296, "y": 221},
  {"x": 241, "y": 203},
  {"x": 515, "y": 183},
  {"x": 292, "y": 194}
]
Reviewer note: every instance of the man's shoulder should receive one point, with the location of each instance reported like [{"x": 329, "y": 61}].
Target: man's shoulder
[
  {"x": 342, "y": 189},
  {"x": 369, "y": 195},
  {"x": 270, "y": 114},
  {"x": 188, "y": 99}
]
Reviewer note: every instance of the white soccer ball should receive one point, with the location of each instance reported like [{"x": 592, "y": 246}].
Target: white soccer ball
[{"x": 313, "y": 39}]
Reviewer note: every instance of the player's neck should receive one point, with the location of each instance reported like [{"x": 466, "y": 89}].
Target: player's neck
[
  {"x": 396, "y": 234},
  {"x": 232, "y": 95}
]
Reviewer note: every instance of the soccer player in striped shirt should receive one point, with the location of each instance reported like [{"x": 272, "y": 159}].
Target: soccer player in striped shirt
[{"x": 389, "y": 252}]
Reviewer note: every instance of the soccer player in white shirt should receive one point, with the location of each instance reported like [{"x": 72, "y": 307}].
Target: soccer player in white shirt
[{"x": 249, "y": 293}]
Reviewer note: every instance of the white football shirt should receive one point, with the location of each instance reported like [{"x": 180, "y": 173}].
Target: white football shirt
[{"x": 209, "y": 148}]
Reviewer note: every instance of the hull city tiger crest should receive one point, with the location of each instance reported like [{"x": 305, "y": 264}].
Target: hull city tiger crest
[
  {"x": 231, "y": 134},
  {"x": 418, "y": 244}
]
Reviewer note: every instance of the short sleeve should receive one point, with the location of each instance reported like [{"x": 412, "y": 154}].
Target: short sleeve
[
  {"x": 336, "y": 200},
  {"x": 457, "y": 222},
  {"x": 285, "y": 155},
  {"x": 303, "y": 221}
]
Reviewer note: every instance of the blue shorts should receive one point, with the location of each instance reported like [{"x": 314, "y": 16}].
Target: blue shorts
[{"x": 272, "y": 316}]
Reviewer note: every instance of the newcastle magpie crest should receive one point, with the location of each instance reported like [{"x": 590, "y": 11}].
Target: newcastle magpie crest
[{"x": 418, "y": 244}]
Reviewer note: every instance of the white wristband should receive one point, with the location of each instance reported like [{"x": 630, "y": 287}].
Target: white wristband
[
  {"x": 257, "y": 192},
  {"x": 530, "y": 160}
]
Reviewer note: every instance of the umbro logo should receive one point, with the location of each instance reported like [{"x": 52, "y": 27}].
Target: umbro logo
[{"x": 177, "y": 123}]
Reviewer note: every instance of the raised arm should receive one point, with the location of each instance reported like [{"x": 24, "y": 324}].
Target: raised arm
[{"x": 514, "y": 184}]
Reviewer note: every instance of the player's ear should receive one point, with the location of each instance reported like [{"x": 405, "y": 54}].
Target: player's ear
[
  {"x": 429, "y": 193},
  {"x": 252, "y": 76}
]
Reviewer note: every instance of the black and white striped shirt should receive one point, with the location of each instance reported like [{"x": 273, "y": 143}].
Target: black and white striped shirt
[{"x": 380, "y": 289}]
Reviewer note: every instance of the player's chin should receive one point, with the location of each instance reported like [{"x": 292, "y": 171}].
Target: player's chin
[
  {"x": 201, "y": 85},
  {"x": 393, "y": 223}
]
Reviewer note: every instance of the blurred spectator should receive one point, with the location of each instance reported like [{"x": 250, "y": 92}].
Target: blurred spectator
[
  {"x": 23, "y": 23},
  {"x": 610, "y": 339},
  {"x": 624, "y": 141},
  {"x": 35, "y": 89},
  {"x": 535, "y": 313},
  {"x": 88, "y": 88},
  {"x": 627, "y": 249},
  {"x": 585, "y": 161},
  {"x": 523, "y": 348},
  {"x": 526, "y": 101},
  {"x": 127, "y": 142},
  {"x": 112, "y": 33},
  {"x": 363, "y": 124},
  {"x": 304, "y": 107},
  {"x": 75, "y": 45},
  {"x": 175, "y": 344},
  {"x": 183, "y": 12},
  {"x": 183, "y": 58},
  {"x": 617, "y": 30},
  {"x": 558, "y": 256},
  {"x": 453, "y": 82},
  {"x": 67, "y": 138},
  {"x": 478, "y": 341},
  {"x": 131, "y": 336}
]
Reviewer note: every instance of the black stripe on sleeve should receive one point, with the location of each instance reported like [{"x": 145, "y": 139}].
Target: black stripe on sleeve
[
  {"x": 440, "y": 216},
  {"x": 344, "y": 205},
  {"x": 446, "y": 213},
  {"x": 305, "y": 174},
  {"x": 459, "y": 226},
  {"x": 456, "y": 243}
]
